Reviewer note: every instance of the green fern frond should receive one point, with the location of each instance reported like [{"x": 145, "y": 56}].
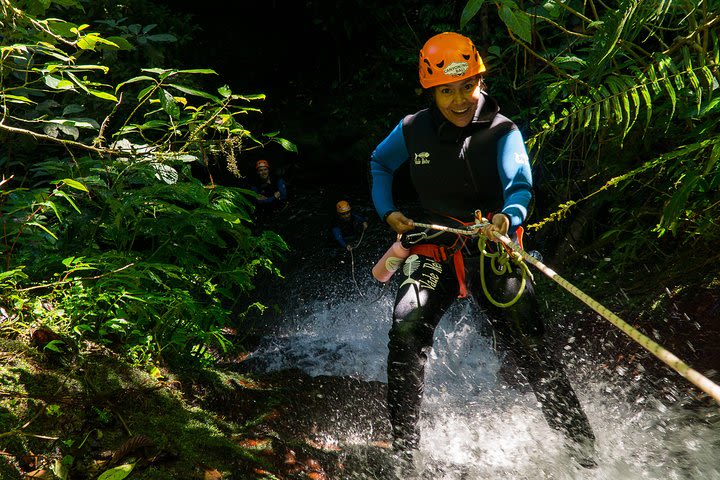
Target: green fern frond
[
  {"x": 688, "y": 181},
  {"x": 610, "y": 33},
  {"x": 620, "y": 99}
]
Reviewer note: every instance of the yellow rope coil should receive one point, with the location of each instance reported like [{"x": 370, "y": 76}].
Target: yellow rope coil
[{"x": 500, "y": 265}]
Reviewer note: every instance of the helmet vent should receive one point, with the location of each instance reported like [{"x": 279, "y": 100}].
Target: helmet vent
[
  {"x": 466, "y": 57},
  {"x": 440, "y": 65}
]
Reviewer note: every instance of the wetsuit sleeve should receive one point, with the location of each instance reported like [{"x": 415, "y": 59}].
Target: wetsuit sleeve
[
  {"x": 389, "y": 155},
  {"x": 337, "y": 233},
  {"x": 282, "y": 189},
  {"x": 516, "y": 177},
  {"x": 265, "y": 201}
]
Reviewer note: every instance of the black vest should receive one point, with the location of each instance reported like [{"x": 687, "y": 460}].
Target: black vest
[{"x": 455, "y": 170}]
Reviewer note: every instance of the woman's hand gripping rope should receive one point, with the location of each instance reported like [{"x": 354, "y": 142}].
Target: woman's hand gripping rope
[
  {"x": 500, "y": 261},
  {"x": 499, "y": 223}
]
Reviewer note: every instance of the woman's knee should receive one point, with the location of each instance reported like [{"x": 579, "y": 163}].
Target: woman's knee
[{"x": 410, "y": 334}]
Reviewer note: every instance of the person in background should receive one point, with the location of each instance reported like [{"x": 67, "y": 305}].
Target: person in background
[
  {"x": 348, "y": 225},
  {"x": 464, "y": 156},
  {"x": 271, "y": 190}
]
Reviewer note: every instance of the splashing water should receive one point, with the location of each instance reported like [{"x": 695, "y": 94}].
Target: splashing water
[
  {"x": 475, "y": 423},
  {"x": 480, "y": 420}
]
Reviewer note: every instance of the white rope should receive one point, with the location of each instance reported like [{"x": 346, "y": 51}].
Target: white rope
[{"x": 352, "y": 263}]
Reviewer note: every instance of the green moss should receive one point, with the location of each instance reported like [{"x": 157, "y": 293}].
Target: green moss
[{"x": 93, "y": 402}]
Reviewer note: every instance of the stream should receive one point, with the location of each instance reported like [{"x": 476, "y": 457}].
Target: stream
[{"x": 480, "y": 419}]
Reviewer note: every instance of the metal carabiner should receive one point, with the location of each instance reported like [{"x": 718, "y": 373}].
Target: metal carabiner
[{"x": 413, "y": 238}]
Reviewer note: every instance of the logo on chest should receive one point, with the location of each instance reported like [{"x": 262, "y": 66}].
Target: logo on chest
[{"x": 422, "y": 158}]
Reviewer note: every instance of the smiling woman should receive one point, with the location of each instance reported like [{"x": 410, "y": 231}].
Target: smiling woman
[
  {"x": 457, "y": 101},
  {"x": 466, "y": 158}
]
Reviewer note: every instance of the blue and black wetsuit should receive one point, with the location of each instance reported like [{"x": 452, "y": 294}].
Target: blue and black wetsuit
[
  {"x": 347, "y": 230},
  {"x": 267, "y": 189},
  {"x": 454, "y": 172}
]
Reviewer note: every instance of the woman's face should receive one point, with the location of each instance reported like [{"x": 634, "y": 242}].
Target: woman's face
[{"x": 457, "y": 100}]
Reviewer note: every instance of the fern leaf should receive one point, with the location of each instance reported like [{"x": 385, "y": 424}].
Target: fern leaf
[
  {"x": 596, "y": 117},
  {"x": 611, "y": 33},
  {"x": 606, "y": 102},
  {"x": 676, "y": 204},
  {"x": 636, "y": 104},
  {"x": 588, "y": 116},
  {"x": 690, "y": 70},
  {"x": 648, "y": 104},
  {"x": 714, "y": 155},
  {"x": 606, "y": 109},
  {"x": 696, "y": 88},
  {"x": 564, "y": 121},
  {"x": 654, "y": 81},
  {"x": 708, "y": 76},
  {"x": 617, "y": 110},
  {"x": 671, "y": 93},
  {"x": 667, "y": 67},
  {"x": 692, "y": 77},
  {"x": 626, "y": 110}
]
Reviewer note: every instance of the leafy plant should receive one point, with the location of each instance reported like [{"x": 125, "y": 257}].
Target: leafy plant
[
  {"x": 632, "y": 81},
  {"x": 103, "y": 219}
]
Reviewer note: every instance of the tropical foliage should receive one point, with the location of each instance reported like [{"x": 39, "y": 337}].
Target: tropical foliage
[
  {"x": 108, "y": 233},
  {"x": 627, "y": 109},
  {"x": 116, "y": 233}
]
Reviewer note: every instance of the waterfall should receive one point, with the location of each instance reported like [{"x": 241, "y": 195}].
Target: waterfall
[{"x": 480, "y": 419}]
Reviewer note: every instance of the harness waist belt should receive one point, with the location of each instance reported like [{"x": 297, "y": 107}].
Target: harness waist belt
[{"x": 441, "y": 254}]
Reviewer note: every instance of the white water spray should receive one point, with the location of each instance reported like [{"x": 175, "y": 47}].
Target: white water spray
[{"x": 480, "y": 419}]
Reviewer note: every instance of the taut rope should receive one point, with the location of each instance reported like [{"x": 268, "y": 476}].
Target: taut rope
[{"x": 660, "y": 352}]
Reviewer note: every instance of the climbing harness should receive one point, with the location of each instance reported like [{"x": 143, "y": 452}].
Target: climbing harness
[
  {"x": 501, "y": 260},
  {"x": 442, "y": 254},
  {"x": 660, "y": 352}
]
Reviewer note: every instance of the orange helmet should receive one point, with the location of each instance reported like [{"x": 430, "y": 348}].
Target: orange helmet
[
  {"x": 342, "y": 207},
  {"x": 448, "y": 57},
  {"x": 262, "y": 163}
]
